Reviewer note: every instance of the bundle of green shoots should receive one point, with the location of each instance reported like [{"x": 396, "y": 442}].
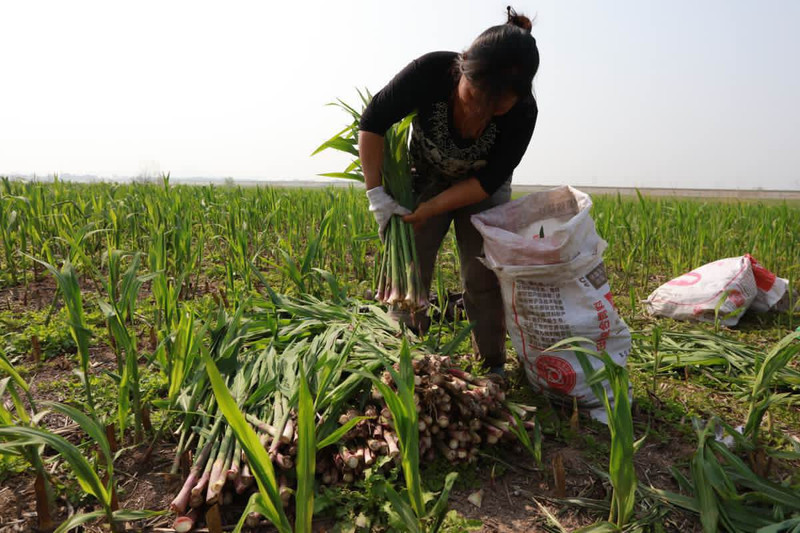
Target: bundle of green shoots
[{"x": 399, "y": 284}]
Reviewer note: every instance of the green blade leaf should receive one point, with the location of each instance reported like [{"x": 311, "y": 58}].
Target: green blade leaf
[
  {"x": 340, "y": 432},
  {"x": 90, "y": 426},
  {"x": 258, "y": 458},
  {"x": 85, "y": 474},
  {"x": 78, "y": 520},
  {"x": 306, "y": 457},
  {"x": 401, "y": 507},
  {"x": 439, "y": 509}
]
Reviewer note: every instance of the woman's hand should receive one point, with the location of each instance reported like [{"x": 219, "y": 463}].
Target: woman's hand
[
  {"x": 461, "y": 194},
  {"x": 383, "y": 207},
  {"x": 423, "y": 212}
]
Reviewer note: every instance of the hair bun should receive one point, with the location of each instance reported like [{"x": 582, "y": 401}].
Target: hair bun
[{"x": 521, "y": 21}]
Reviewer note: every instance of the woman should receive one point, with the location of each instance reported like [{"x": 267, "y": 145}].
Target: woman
[{"x": 475, "y": 117}]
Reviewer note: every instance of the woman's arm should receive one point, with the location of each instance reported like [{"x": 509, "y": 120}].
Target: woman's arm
[
  {"x": 370, "y": 151},
  {"x": 463, "y": 193},
  {"x": 419, "y": 82}
]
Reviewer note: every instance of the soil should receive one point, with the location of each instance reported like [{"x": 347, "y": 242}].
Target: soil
[
  {"x": 37, "y": 295},
  {"x": 511, "y": 501}
]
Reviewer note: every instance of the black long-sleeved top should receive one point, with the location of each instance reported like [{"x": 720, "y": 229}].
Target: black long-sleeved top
[{"x": 439, "y": 156}]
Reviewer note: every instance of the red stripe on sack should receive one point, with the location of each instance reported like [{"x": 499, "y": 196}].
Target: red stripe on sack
[
  {"x": 764, "y": 278},
  {"x": 516, "y": 318}
]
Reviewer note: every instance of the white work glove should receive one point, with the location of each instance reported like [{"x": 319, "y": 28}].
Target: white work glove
[{"x": 383, "y": 207}]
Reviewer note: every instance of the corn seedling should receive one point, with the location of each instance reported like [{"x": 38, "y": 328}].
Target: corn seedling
[
  {"x": 761, "y": 396},
  {"x": 32, "y": 452},
  {"x": 70, "y": 291},
  {"x": 620, "y": 425},
  {"x": 87, "y": 476},
  {"x": 715, "y": 474},
  {"x": 404, "y": 413}
]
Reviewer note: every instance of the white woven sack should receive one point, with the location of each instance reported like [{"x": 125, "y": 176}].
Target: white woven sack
[
  {"x": 553, "y": 289},
  {"x": 722, "y": 290}
]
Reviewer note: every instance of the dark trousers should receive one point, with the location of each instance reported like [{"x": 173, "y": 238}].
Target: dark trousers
[{"x": 482, "y": 299}]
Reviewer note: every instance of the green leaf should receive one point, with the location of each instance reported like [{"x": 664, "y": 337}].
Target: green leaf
[
  {"x": 401, "y": 507},
  {"x": 92, "y": 428},
  {"x": 439, "y": 509},
  {"x": 254, "y": 505},
  {"x": 451, "y": 347},
  {"x": 599, "y": 527},
  {"x": 340, "y": 432},
  {"x": 8, "y": 368},
  {"x": 704, "y": 491},
  {"x": 84, "y": 473},
  {"x": 333, "y": 141},
  {"x": 672, "y": 498},
  {"x": 258, "y": 458},
  {"x": 77, "y": 520},
  {"x": 306, "y": 456},
  {"x": 518, "y": 429},
  {"x": 791, "y": 525},
  {"x": 338, "y": 143}
]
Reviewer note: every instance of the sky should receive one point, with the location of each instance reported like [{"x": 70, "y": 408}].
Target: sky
[{"x": 631, "y": 93}]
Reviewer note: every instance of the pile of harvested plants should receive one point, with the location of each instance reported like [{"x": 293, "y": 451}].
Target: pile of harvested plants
[{"x": 458, "y": 413}]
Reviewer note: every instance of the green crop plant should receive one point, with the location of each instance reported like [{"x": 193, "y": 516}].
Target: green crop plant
[
  {"x": 301, "y": 272},
  {"x": 13, "y": 438},
  {"x": 410, "y": 508},
  {"x": 128, "y": 368},
  {"x": 67, "y": 280},
  {"x": 8, "y": 226},
  {"x": 642, "y": 252},
  {"x": 620, "y": 425},
  {"x": 166, "y": 290},
  {"x": 123, "y": 293},
  {"x": 761, "y": 396},
  {"x": 728, "y": 360},
  {"x": 715, "y": 474},
  {"x": 30, "y": 452},
  {"x": 237, "y": 238}
]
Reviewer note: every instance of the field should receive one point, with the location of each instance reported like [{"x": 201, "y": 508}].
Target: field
[{"x": 121, "y": 301}]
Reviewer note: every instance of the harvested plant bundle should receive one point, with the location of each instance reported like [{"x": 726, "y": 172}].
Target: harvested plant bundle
[{"x": 399, "y": 283}]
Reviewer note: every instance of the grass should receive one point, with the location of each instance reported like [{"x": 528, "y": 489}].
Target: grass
[{"x": 202, "y": 247}]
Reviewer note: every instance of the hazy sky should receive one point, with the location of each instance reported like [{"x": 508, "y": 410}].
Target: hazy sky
[{"x": 631, "y": 93}]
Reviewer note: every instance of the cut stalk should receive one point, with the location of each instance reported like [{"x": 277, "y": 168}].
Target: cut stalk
[{"x": 181, "y": 501}]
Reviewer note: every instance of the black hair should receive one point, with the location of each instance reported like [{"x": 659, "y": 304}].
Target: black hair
[{"x": 503, "y": 58}]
